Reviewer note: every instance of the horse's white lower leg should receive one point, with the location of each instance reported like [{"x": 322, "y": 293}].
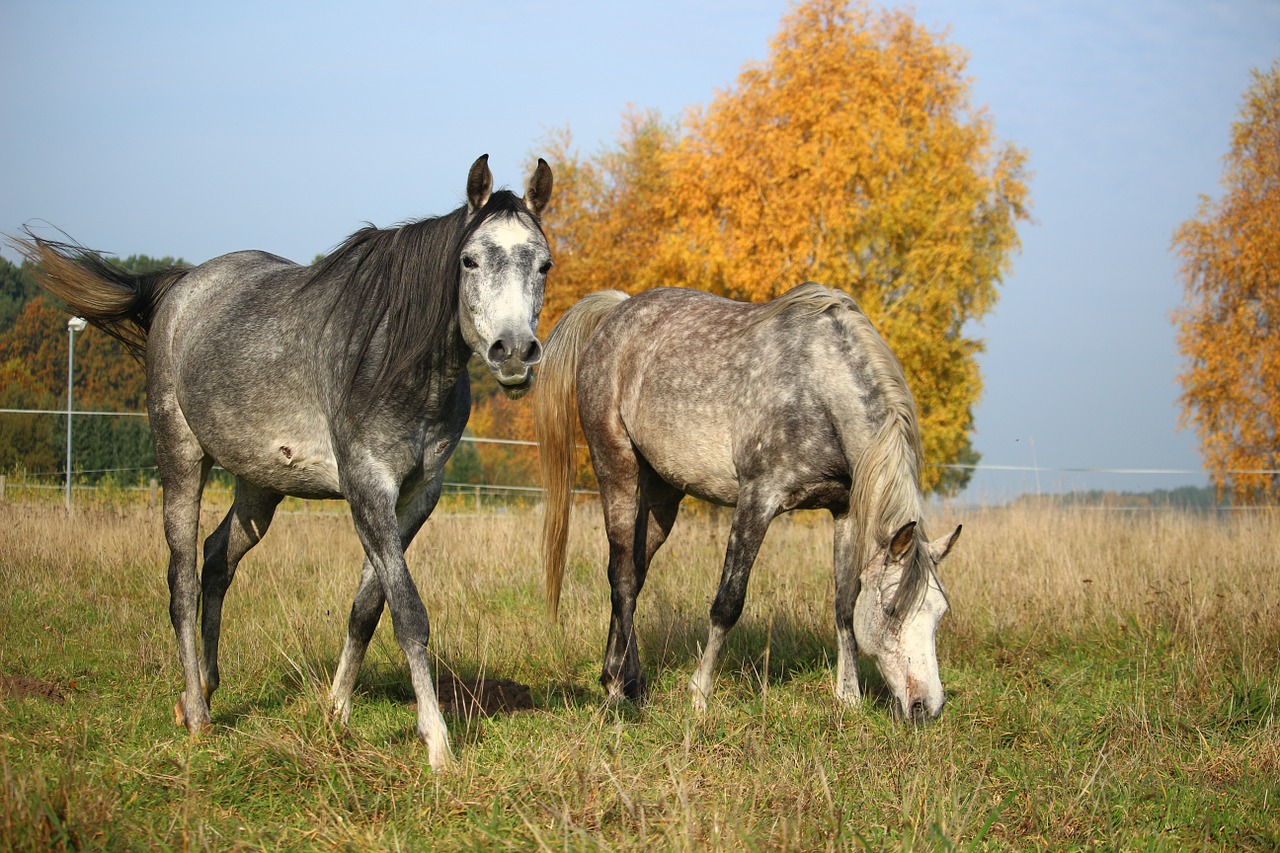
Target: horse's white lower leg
[
  {"x": 847, "y": 668},
  {"x": 431, "y": 726},
  {"x": 344, "y": 680},
  {"x": 700, "y": 683}
]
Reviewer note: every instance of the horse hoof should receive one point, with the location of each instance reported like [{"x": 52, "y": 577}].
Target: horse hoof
[{"x": 181, "y": 717}]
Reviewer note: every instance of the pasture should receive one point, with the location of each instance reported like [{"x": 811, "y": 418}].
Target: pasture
[{"x": 1113, "y": 681}]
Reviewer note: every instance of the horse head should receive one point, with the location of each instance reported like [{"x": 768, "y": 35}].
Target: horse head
[
  {"x": 895, "y": 619},
  {"x": 503, "y": 264}
]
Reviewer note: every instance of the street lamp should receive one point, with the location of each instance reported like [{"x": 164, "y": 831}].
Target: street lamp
[{"x": 75, "y": 324}]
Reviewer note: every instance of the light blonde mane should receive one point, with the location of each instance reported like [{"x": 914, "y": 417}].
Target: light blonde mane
[{"x": 885, "y": 490}]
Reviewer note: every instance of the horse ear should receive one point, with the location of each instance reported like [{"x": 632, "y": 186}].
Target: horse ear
[
  {"x": 538, "y": 193},
  {"x": 901, "y": 541},
  {"x": 479, "y": 184},
  {"x": 940, "y": 548}
]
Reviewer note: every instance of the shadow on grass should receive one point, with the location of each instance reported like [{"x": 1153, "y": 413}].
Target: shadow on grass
[{"x": 779, "y": 647}]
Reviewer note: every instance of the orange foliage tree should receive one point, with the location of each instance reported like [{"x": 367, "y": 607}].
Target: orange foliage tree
[
  {"x": 1229, "y": 328},
  {"x": 852, "y": 157}
]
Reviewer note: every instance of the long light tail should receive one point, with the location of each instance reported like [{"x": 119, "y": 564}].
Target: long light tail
[
  {"x": 119, "y": 303},
  {"x": 555, "y": 418}
]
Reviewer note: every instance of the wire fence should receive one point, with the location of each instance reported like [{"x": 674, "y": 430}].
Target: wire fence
[{"x": 489, "y": 496}]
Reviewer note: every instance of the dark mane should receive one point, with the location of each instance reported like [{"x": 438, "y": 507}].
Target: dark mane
[{"x": 398, "y": 293}]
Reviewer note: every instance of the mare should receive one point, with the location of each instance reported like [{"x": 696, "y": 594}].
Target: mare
[
  {"x": 793, "y": 404},
  {"x": 345, "y": 379}
]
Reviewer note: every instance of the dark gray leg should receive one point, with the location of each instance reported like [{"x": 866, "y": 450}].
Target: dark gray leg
[
  {"x": 848, "y": 579},
  {"x": 750, "y": 523},
  {"x": 366, "y": 610},
  {"x": 618, "y": 479},
  {"x": 656, "y": 507},
  {"x": 243, "y": 527}
]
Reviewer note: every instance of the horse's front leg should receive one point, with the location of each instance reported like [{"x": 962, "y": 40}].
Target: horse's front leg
[
  {"x": 384, "y": 538},
  {"x": 366, "y": 611},
  {"x": 848, "y": 582},
  {"x": 750, "y": 523}
]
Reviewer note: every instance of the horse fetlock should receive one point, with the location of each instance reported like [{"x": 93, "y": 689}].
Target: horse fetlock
[
  {"x": 848, "y": 694},
  {"x": 208, "y": 684},
  {"x": 440, "y": 756},
  {"x": 340, "y": 707},
  {"x": 433, "y": 732},
  {"x": 193, "y": 715},
  {"x": 700, "y": 689}
]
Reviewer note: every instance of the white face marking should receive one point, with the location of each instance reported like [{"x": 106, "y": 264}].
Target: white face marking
[
  {"x": 507, "y": 232},
  {"x": 904, "y": 651},
  {"x": 504, "y": 266}
]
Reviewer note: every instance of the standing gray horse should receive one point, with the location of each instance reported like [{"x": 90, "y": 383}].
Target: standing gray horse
[
  {"x": 792, "y": 404},
  {"x": 342, "y": 380}
]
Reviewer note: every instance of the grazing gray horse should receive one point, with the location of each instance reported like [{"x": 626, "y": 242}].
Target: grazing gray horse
[
  {"x": 342, "y": 380},
  {"x": 792, "y": 404}
]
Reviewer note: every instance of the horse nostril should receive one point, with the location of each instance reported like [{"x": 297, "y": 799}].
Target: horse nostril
[
  {"x": 918, "y": 714},
  {"x": 498, "y": 352},
  {"x": 532, "y": 352}
]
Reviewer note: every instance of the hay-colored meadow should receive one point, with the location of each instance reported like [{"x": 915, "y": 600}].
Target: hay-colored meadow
[{"x": 1113, "y": 681}]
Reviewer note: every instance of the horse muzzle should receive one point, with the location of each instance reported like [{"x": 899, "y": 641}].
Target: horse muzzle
[
  {"x": 511, "y": 359},
  {"x": 920, "y": 711}
]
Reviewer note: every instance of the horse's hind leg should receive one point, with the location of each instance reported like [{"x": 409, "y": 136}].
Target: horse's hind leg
[
  {"x": 656, "y": 507},
  {"x": 183, "y": 483},
  {"x": 243, "y": 527},
  {"x": 750, "y": 523}
]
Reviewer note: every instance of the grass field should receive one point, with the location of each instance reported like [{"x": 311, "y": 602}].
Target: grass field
[{"x": 1113, "y": 682}]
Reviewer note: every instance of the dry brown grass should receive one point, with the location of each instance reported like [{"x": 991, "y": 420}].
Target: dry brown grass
[{"x": 1113, "y": 681}]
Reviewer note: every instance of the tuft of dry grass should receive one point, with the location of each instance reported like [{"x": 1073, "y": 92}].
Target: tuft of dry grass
[{"x": 1113, "y": 681}]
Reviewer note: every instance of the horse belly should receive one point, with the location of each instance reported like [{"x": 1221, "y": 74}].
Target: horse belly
[
  {"x": 696, "y": 458},
  {"x": 283, "y": 453}
]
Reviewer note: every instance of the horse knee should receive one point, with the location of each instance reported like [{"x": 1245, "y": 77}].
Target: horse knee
[{"x": 727, "y": 609}]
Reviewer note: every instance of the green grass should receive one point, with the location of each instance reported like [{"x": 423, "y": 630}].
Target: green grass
[{"x": 1113, "y": 683}]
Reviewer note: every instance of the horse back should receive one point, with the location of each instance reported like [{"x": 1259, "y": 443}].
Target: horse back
[{"x": 708, "y": 396}]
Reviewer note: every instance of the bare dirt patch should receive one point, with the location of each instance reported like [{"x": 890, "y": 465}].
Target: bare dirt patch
[
  {"x": 467, "y": 697},
  {"x": 22, "y": 687}
]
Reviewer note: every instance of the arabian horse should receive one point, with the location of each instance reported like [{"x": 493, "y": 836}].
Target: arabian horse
[
  {"x": 793, "y": 404},
  {"x": 346, "y": 379}
]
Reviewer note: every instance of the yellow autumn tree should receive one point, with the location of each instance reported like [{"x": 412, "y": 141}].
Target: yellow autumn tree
[
  {"x": 610, "y": 210},
  {"x": 852, "y": 157},
  {"x": 1229, "y": 327}
]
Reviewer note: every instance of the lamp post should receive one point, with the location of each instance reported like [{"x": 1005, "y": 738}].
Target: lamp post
[{"x": 75, "y": 324}]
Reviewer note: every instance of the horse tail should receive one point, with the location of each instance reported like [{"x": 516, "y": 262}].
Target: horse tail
[
  {"x": 555, "y": 419},
  {"x": 117, "y": 302}
]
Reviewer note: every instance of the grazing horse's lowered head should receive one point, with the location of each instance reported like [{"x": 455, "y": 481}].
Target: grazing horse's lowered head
[
  {"x": 504, "y": 263},
  {"x": 895, "y": 619}
]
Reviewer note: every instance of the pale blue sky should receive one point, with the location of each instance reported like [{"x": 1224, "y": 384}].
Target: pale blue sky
[{"x": 196, "y": 129}]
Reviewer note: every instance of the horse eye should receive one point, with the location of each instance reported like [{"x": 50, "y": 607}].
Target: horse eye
[
  {"x": 469, "y": 262},
  {"x": 546, "y": 268}
]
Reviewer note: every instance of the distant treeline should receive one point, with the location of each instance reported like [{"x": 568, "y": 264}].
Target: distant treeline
[{"x": 1192, "y": 498}]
